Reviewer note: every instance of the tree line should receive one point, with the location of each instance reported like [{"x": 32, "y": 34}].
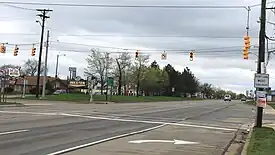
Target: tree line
[{"x": 148, "y": 78}]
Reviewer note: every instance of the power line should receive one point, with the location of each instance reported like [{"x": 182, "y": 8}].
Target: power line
[
  {"x": 136, "y": 36},
  {"x": 130, "y": 6},
  {"x": 18, "y": 7},
  {"x": 120, "y": 48}
]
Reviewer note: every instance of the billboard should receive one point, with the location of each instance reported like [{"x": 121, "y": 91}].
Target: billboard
[{"x": 14, "y": 72}]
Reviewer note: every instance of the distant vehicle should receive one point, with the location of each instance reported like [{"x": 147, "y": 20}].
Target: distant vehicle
[
  {"x": 227, "y": 98},
  {"x": 243, "y": 99},
  {"x": 61, "y": 91}
]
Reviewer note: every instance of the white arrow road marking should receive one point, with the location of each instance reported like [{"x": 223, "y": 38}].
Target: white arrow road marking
[
  {"x": 12, "y": 132},
  {"x": 177, "y": 142}
]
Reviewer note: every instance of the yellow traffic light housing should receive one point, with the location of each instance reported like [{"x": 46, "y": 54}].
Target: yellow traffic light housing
[
  {"x": 245, "y": 53},
  {"x": 2, "y": 48},
  {"x": 247, "y": 42},
  {"x": 15, "y": 50},
  {"x": 191, "y": 56},
  {"x": 33, "y": 51}
]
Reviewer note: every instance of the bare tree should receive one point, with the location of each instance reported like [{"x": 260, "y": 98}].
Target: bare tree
[
  {"x": 30, "y": 67},
  {"x": 97, "y": 64},
  {"x": 123, "y": 61},
  {"x": 139, "y": 69}
]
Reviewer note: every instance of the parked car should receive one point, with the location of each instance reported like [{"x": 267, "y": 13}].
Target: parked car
[
  {"x": 60, "y": 91},
  {"x": 227, "y": 98}
]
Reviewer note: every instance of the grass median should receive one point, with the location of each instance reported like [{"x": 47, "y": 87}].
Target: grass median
[
  {"x": 119, "y": 99},
  {"x": 262, "y": 142}
]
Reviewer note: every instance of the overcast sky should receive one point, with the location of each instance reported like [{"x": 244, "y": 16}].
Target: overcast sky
[{"x": 216, "y": 35}]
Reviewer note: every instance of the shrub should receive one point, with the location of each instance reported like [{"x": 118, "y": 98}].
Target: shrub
[{"x": 9, "y": 89}]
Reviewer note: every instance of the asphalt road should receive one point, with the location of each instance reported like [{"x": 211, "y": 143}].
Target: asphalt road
[{"x": 51, "y": 127}]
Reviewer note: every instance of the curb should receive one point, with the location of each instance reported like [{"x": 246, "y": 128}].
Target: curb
[{"x": 247, "y": 140}]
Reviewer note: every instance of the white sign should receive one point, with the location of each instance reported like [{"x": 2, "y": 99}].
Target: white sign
[
  {"x": 177, "y": 142},
  {"x": 13, "y": 72},
  {"x": 261, "y": 81},
  {"x": 261, "y": 102},
  {"x": 261, "y": 94}
]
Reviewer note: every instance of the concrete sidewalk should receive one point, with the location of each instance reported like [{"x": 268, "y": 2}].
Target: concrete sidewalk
[{"x": 269, "y": 117}]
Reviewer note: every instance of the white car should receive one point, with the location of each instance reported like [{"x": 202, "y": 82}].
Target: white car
[{"x": 227, "y": 98}]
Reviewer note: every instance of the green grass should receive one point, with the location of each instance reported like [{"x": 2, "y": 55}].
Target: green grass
[
  {"x": 272, "y": 105},
  {"x": 84, "y": 97},
  {"x": 262, "y": 142}
]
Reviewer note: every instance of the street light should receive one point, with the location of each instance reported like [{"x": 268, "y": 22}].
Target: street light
[{"x": 56, "y": 67}]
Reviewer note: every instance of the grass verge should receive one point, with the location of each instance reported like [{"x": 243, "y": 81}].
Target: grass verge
[
  {"x": 250, "y": 102},
  {"x": 119, "y": 99},
  {"x": 262, "y": 142},
  {"x": 272, "y": 105}
]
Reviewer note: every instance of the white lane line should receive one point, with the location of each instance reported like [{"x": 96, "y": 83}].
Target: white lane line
[
  {"x": 12, "y": 132},
  {"x": 105, "y": 140},
  {"x": 149, "y": 122},
  {"x": 122, "y": 120},
  {"x": 33, "y": 113}
]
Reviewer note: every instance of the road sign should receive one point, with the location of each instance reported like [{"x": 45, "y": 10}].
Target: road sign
[
  {"x": 261, "y": 102},
  {"x": 71, "y": 69},
  {"x": 261, "y": 81},
  {"x": 110, "y": 81}
]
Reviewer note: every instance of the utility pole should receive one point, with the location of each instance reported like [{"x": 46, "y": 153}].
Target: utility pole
[
  {"x": 46, "y": 65},
  {"x": 43, "y": 17},
  {"x": 261, "y": 58}
]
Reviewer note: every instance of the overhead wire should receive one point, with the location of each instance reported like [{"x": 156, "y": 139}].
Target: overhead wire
[
  {"x": 136, "y": 36},
  {"x": 18, "y": 7},
  {"x": 129, "y": 6}
]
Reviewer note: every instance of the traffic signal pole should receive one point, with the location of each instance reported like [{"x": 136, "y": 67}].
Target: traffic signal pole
[
  {"x": 43, "y": 17},
  {"x": 261, "y": 58},
  {"x": 248, "y": 20}
]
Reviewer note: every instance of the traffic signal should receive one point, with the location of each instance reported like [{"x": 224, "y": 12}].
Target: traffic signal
[
  {"x": 33, "y": 51},
  {"x": 164, "y": 56},
  {"x": 137, "y": 53},
  {"x": 15, "y": 50},
  {"x": 2, "y": 48},
  {"x": 191, "y": 56},
  {"x": 246, "y": 47},
  {"x": 245, "y": 53},
  {"x": 247, "y": 42}
]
